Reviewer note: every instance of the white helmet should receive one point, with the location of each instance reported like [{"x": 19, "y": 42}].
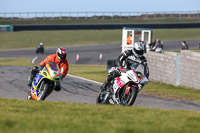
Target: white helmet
[
  {"x": 41, "y": 43},
  {"x": 138, "y": 49}
]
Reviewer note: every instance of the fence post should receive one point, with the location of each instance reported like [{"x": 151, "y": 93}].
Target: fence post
[
  {"x": 12, "y": 16},
  {"x": 27, "y": 15},
  {"x": 69, "y": 16},
  {"x": 85, "y": 15},
  {"x": 189, "y": 15},
  {"x": 171, "y": 14},
  {"x": 43, "y": 15},
  {"x": 178, "y": 62},
  {"x": 4, "y": 16},
  {"x": 77, "y": 15},
  {"x": 19, "y": 16},
  {"x": 52, "y": 16},
  {"x": 112, "y": 15},
  {"x": 95, "y": 15},
  {"x": 35, "y": 16},
  {"x": 60, "y": 15}
]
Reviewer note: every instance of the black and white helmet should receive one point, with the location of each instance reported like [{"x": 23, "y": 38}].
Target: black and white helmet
[{"x": 138, "y": 49}]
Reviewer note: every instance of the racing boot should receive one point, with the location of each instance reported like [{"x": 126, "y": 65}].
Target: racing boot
[
  {"x": 34, "y": 71},
  {"x": 30, "y": 80},
  {"x": 105, "y": 84},
  {"x": 107, "y": 81},
  {"x": 58, "y": 87}
]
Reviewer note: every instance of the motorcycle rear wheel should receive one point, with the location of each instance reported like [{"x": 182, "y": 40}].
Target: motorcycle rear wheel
[
  {"x": 102, "y": 97},
  {"x": 128, "y": 99}
]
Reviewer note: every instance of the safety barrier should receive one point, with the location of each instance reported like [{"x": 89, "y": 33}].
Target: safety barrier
[{"x": 104, "y": 26}]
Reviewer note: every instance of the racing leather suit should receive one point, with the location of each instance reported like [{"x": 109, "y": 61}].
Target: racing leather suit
[
  {"x": 122, "y": 62},
  {"x": 63, "y": 65}
]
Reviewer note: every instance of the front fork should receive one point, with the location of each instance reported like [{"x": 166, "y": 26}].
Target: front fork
[{"x": 127, "y": 89}]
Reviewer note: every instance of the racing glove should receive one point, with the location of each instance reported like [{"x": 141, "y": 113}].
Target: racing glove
[
  {"x": 61, "y": 76},
  {"x": 140, "y": 86},
  {"x": 40, "y": 67}
]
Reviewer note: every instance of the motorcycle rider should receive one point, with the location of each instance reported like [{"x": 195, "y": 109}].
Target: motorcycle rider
[
  {"x": 59, "y": 58},
  {"x": 136, "y": 55}
]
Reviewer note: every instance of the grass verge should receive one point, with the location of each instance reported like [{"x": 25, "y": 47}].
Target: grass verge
[
  {"x": 31, "y": 39},
  {"x": 22, "y": 116},
  {"x": 98, "y": 73}
]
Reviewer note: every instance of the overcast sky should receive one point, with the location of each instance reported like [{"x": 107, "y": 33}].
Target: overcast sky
[{"x": 98, "y": 5}]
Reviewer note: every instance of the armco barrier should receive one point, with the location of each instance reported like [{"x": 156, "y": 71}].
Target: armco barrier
[{"x": 104, "y": 26}]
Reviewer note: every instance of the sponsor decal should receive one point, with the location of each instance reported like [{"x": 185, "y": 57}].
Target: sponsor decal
[{"x": 119, "y": 82}]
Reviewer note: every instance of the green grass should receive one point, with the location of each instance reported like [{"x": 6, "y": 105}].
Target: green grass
[
  {"x": 172, "y": 92},
  {"x": 93, "y": 72},
  {"x": 22, "y": 116},
  {"x": 31, "y": 39},
  {"x": 15, "y": 62},
  {"x": 177, "y": 34}
]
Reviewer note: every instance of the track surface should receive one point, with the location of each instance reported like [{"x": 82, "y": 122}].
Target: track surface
[
  {"x": 13, "y": 85},
  {"x": 13, "y": 79}
]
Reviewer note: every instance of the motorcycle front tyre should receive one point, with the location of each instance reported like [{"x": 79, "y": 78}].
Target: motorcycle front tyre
[
  {"x": 44, "y": 92},
  {"x": 29, "y": 97},
  {"x": 134, "y": 92}
]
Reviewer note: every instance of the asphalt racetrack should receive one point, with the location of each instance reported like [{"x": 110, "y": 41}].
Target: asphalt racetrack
[{"x": 13, "y": 78}]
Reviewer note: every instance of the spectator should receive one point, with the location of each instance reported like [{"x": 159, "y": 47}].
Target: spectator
[
  {"x": 129, "y": 39},
  {"x": 144, "y": 45},
  {"x": 158, "y": 46},
  {"x": 184, "y": 45},
  {"x": 152, "y": 44}
]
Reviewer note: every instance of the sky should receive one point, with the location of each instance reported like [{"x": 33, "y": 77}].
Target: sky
[{"x": 98, "y": 5}]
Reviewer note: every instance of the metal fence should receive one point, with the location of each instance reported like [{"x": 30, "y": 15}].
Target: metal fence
[{"x": 97, "y": 15}]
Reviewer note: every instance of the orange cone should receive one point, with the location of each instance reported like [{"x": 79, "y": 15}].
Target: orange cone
[
  {"x": 77, "y": 57},
  {"x": 100, "y": 56}
]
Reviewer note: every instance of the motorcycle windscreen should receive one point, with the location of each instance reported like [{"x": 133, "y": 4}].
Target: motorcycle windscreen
[
  {"x": 53, "y": 69},
  {"x": 139, "y": 69}
]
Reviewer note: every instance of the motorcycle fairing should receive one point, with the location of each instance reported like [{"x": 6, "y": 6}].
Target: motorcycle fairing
[
  {"x": 35, "y": 85},
  {"x": 46, "y": 73}
]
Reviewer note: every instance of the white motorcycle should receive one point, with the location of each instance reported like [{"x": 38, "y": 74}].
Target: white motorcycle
[{"x": 124, "y": 89}]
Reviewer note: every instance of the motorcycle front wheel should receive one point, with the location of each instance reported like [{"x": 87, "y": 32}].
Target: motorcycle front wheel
[
  {"x": 128, "y": 99},
  {"x": 43, "y": 93},
  {"x": 29, "y": 97}
]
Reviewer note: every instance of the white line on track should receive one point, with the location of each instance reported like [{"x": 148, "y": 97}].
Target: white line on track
[
  {"x": 96, "y": 82},
  {"x": 33, "y": 60}
]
